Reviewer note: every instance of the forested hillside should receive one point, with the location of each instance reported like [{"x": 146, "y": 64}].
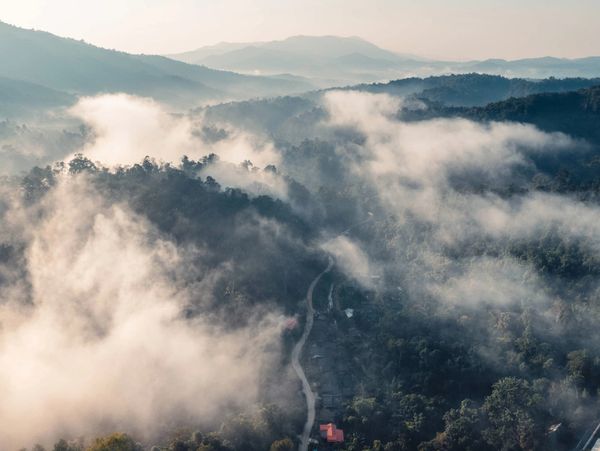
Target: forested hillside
[
  {"x": 333, "y": 226},
  {"x": 299, "y": 117},
  {"x": 460, "y": 313},
  {"x": 475, "y": 89},
  {"x": 575, "y": 113},
  {"x": 77, "y": 67}
]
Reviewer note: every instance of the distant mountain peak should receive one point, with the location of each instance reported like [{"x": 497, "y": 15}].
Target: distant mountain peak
[
  {"x": 317, "y": 57},
  {"x": 73, "y": 67}
]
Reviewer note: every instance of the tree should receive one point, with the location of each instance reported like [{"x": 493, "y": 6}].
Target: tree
[
  {"x": 282, "y": 445},
  {"x": 81, "y": 164},
  {"x": 63, "y": 445},
  {"x": 179, "y": 445},
  {"x": 579, "y": 367},
  {"x": 114, "y": 442},
  {"x": 462, "y": 431},
  {"x": 511, "y": 410}
]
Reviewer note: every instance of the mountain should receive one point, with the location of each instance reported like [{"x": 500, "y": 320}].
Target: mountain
[
  {"x": 76, "y": 67},
  {"x": 194, "y": 56},
  {"x": 451, "y": 272},
  {"x": 19, "y": 97},
  {"x": 575, "y": 113},
  {"x": 474, "y": 89},
  {"x": 329, "y": 60},
  {"x": 313, "y": 46},
  {"x": 235, "y": 86},
  {"x": 294, "y": 119},
  {"x": 570, "y": 105},
  {"x": 330, "y": 47},
  {"x": 335, "y": 61},
  {"x": 538, "y": 67}
]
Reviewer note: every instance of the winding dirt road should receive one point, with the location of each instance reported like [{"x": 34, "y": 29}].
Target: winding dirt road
[{"x": 297, "y": 352}]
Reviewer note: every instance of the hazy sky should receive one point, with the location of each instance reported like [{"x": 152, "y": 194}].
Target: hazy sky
[{"x": 458, "y": 29}]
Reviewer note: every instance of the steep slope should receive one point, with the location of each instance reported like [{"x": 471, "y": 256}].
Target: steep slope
[
  {"x": 539, "y": 67},
  {"x": 354, "y": 60},
  {"x": 575, "y": 113},
  {"x": 234, "y": 85},
  {"x": 301, "y": 46},
  {"x": 330, "y": 59},
  {"x": 330, "y": 47},
  {"x": 80, "y": 68},
  {"x": 552, "y": 104},
  {"x": 22, "y": 98},
  {"x": 474, "y": 89},
  {"x": 197, "y": 55}
]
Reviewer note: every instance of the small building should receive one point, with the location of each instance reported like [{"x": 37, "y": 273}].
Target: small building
[
  {"x": 291, "y": 323},
  {"x": 331, "y": 433}
]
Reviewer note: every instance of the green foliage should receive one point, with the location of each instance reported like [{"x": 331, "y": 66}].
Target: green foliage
[
  {"x": 571, "y": 112},
  {"x": 476, "y": 88},
  {"x": 282, "y": 445},
  {"x": 513, "y": 411},
  {"x": 463, "y": 430},
  {"x": 114, "y": 442},
  {"x": 81, "y": 164},
  {"x": 63, "y": 445},
  {"x": 408, "y": 360},
  {"x": 258, "y": 430}
]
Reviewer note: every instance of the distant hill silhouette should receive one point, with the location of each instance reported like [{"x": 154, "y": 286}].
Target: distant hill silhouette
[
  {"x": 467, "y": 95},
  {"x": 329, "y": 59},
  {"x": 474, "y": 89},
  {"x": 79, "y": 68},
  {"x": 18, "y": 97},
  {"x": 575, "y": 113},
  {"x": 334, "y": 61}
]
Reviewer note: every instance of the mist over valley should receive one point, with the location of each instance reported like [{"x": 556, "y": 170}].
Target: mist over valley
[{"x": 300, "y": 243}]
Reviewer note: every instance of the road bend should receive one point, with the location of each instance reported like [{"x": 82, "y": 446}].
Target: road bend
[{"x": 297, "y": 352}]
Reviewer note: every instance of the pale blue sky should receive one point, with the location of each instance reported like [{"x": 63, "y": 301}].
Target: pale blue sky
[{"x": 453, "y": 29}]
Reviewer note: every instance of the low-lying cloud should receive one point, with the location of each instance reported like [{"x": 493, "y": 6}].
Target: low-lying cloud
[
  {"x": 489, "y": 281},
  {"x": 96, "y": 339},
  {"x": 427, "y": 176},
  {"x": 126, "y": 129},
  {"x": 351, "y": 259}
]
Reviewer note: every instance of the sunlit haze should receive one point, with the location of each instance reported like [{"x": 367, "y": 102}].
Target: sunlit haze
[
  {"x": 299, "y": 225},
  {"x": 459, "y": 29}
]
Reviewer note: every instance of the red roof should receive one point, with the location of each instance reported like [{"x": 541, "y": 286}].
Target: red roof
[
  {"x": 291, "y": 323},
  {"x": 331, "y": 433}
]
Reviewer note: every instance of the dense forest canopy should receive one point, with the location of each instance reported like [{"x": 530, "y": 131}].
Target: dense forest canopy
[{"x": 461, "y": 312}]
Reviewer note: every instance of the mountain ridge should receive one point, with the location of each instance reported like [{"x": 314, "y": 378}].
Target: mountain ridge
[
  {"x": 79, "y": 68},
  {"x": 364, "y": 62}
]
